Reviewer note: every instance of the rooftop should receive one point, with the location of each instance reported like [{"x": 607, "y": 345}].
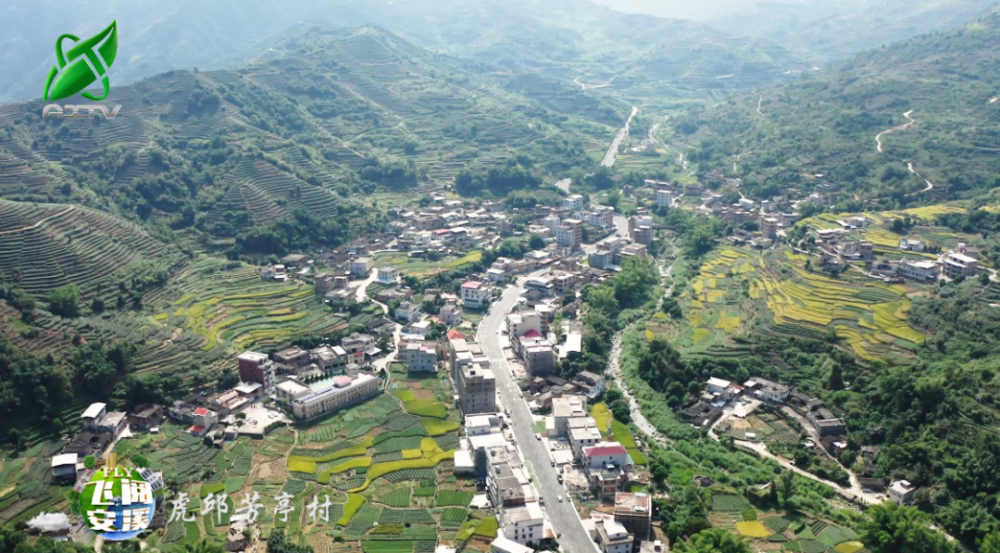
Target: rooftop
[
  {"x": 93, "y": 411},
  {"x": 472, "y": 285},
  {"x": 64, "y": 459},
  {"x": 632, "y": 503},
  {"x": 605, "y": 448}
]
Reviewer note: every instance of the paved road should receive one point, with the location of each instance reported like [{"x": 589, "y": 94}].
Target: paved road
[
  {"x": 563, "y": 516},
  {"x": 612, "y": 155},
  {"x": 361, "y": 295}
]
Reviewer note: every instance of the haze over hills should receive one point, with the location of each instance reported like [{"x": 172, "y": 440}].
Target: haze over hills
[{"x": 566, "y": 38}]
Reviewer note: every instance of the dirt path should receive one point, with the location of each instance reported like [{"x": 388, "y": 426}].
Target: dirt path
[
  {"x": 878, "y": 137},
  {"x": 585, "y": 86},
  {"x": 682, "y": 161},
  {"x": 928, "y": 188},
  {"x": 38, "y": 223},
  {"x": 760, "y": 103}
]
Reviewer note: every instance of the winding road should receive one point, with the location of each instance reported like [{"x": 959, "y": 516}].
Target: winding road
[
  {"x": 759, "y": 104},
  {"x": 928, "y": 188},
  {"x": 878, "y": 137}
]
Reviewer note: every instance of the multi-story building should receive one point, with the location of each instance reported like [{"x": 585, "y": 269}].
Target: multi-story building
[
  {"x": 583, "y": 433},
  {"x": 908, "y": 245},
  {"x": 663, "y": 197},
  {"x": 450, "y": 315},
  {"x": 407, "y": 311},
  {"x": 919, "y": 270},
  {"x": 474, "y": 294},
  {"x": 643, "y": 234},
  {"x": 769, "y": 227},
  {"x": 602, "y": 216},
  {"x": 955, "y": 263},
  {"x": 566, "y": 408},
  {"x": 538, "y": 355},
  {"x": 613, "y": 537},
  {"x": 337, "y": 393},
  {"x": 330, "y": 358},
  {"x": 569, "y": 234},
  {"x": 92, "y": 416},
  {"x": 420, "y": 357},
  {"x": 551, "y": 222},
  {"x": 477, "y": 389},
  {"x": 519, "y": 324},
  {"x": 509, "y": 488},
  {"x": 573, "y": 202},
  {"x": 461, "y": 353},
  {"x": 361, "y": 266},
  {"x": 256, "y": 367},
  {"x": 635, "y": 512},
  {"x": 358, "y": 346},
  {"x": 601, "y": 259},
  {"x": 293, "y": 357},
  {"x": 604, "y": 465},
  {"x": 388, "y": 276}
]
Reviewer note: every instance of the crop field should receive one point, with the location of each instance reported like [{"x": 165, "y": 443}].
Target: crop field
[
  {"x": 377, "y": 498},
  {"x": 778, "y": 531},
  {"x": 739, "y": 290},
  {"x": 233, "y": 309},
  {"x": 616, "y": 431},
  {"x": 419, "y": 267}
]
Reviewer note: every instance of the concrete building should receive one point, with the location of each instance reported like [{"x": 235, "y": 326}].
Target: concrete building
[
  {"x": 64, "y": 467},
  {"x": 767, "y": 390},
  {"x": 537, "y": 353},
  {"x": 642, "y": 234},
  {"x": 908, "y": 245},
  {"x": 954, "y": 264},
  {"x": 769, "y": 227},
  {"x": 451, "y": 315},
  {"x": 902, "y": 492},
  {"x": 92, "y": 416},
  {"x": 573, "y": 202},
  {"x": 407, "y": 312},
  {"x": 663, "y": 198},
  {"x": 519, "y": 324},
  {"x": 361, "y": 266},
  {"x": 474, "y": 294},
  {"x": 583, "y": 433},
  {"x": 569, "y": 234},
  {"x": 926, "y": 271},
  {"x": 388, "y": 276},
  {"x": 420, "y": 357},
  {"x": 551, "y": 222},
  {"x": 602, "y": 216},
  {"x": 635, "y": 512},
  {"x": 566, "y": 408},
  {"x": 504, "y": 545},
  {"x": 358, "y": 346},
  {"x": 334, "y": 394},
  {"x": 477, "y": 389},
  {"x": 613, "y": 537},
  {"x": 256, "y": 367},
  {"x": 601, "y": 259},
  {"x": 604, "y": 465}
]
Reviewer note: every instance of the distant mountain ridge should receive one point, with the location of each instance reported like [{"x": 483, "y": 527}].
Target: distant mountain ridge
[{"x": 562, "y": 38}]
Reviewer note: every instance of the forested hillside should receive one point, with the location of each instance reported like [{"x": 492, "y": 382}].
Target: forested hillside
[{"x": 880, "y": 126}]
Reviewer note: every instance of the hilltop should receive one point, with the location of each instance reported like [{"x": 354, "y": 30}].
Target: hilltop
[{"x": 913, "y": 122}]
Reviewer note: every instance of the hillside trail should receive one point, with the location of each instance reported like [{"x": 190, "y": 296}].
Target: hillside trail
[
  {"x": 928, "y": 188},
  {"x": 760, "y": 103},
  {"x": 37, "y": 223},
  {"x": 878, "y": 137}
]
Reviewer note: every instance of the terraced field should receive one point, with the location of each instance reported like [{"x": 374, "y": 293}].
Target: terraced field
[
  {"x": 51, "y": 245},
  {"x": 234, "y": 309},
  {"x": 741, "y": 290}
]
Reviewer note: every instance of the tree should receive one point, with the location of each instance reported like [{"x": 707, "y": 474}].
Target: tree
[
  {"x": 205, "y": 546},
  {"x": 536, "y": 242},
  {"x": 772, "y": 493},
  {"x": 613, "y": 395},
  {"x": 787, "y": 485},
  {"x": 140, "y": 461},
  {"x": 891, "y": 528},
  {"x": 714, "y": 540},
  {"x": 89, "y": 462},
  {"x": 836, "y": 381},
  {"x": 991, "y": 544},
  {"x": 64, "y": 301},
  {"x": 97, "y": 306},
  {"x": 15, "y": 438},
  {"x": 620, "y": 410},
  {"x": 278, "y": 543}
]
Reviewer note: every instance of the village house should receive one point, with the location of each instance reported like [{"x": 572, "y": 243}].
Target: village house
[
  {"x": 387, "y": 276},
  {"x": 407, "y": 311},
  {"x": 474, "y": 294},
  {"x": 450, "y": 315},
  {"x": 360, "y": 267}
]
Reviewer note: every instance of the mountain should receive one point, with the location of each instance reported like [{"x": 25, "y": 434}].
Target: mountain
[
  {"x": 306, "y": 133},
  {"x": 930, "y": 103},
  {"x": 562, "y": 38},
  {"x": 824, "y": 31}
]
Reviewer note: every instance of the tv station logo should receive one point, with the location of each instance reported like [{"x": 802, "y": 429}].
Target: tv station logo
[
  {"x": 117, "y": 502},
  {"x": 85, "y": 63}
]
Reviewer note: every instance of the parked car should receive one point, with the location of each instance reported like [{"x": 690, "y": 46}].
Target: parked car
[
  {"x": 538, "y": 436},
  {"x": 560, "y": 498}
]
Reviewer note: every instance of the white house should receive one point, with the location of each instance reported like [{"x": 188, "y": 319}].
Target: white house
[
  {"x": 663, "y": 198},
  {"x": 902, "y": 492},
  {"x": 451, "y": 315},
  {"x": 504, "y": 545},
  {"x": 573, "y": 202},
  {"x": 408, "y": 311},
  {"x": 361, "y": 266},
  {"x": 908, "y": 245},
  {"x": 474, "y": 294},
  {"x": 387, "y": 275},
  {"x": 613, "y": 537},
  {"x": 420, "y": 357}
]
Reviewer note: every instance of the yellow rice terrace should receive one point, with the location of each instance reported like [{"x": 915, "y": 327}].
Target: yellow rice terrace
[{"x": 740, "y": 290}]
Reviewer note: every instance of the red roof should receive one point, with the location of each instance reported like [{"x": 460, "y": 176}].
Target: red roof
[
  {"x": 454, "y": 334},
  {"x": 472, "y": 285},
  {"x": 197, "y": 429},
  {"x": 604, "y": 450},
  {"x": 532, "y": 334},
  {"x": 201, "y": 411}
]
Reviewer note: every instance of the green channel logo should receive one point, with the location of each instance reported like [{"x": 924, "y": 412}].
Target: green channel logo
[{"x": 87, "y": 61}]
